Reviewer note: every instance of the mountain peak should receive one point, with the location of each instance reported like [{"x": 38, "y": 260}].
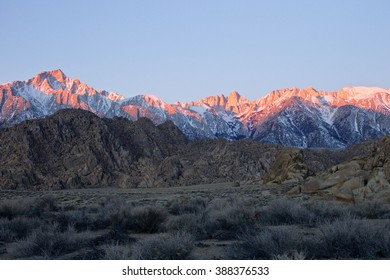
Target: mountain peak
[
  {"x": 311, "y": 89},
  {"x": 57, "y": 74},
  {"x": 234, "y": 94},
  {"x": 233, "y": 99}
]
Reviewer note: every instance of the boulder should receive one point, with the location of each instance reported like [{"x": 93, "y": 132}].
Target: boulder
[{"x": 289, "y": 166}]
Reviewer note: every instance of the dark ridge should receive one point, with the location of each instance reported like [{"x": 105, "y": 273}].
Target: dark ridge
[{"x": 76, "y": 148}]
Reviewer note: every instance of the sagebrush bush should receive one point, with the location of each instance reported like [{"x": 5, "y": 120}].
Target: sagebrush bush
[
  {"x": 116, "y": 252},
  {"x": 293, "y": 255},
  {"x": 17, "y": 228},
  {"x": 27, "y": 207},
  {"x": 115, "y": 236},
  {"x": 164, "y": 246},
  {"x": 46, "y": 203},
  {"x": 186, "y": 222},
  {"x": 81, "y": 220},
  {"x": 355, "y": 239},
  {"x": 187, "y": 206},
  {"x": 78, "y": 219},
  {"x": 12, "y": 208},
  {"x": 285, "y": 212},
  {"x": 147, "y": 219},
  {"x": 327, "y": 211},
  {"x": 373, "y": 210},
  {"x": 47, "y": 242},
  {"x": 267, "y": 244},
  {"x": 226, "y": 218},
  {"x": 141, "y": 219}
]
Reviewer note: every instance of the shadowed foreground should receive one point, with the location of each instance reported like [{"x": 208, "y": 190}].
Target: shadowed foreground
[{"x": 217, "y": 221}]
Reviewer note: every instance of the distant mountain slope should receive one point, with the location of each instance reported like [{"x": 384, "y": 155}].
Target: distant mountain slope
[{"x": 290, "y": 117}]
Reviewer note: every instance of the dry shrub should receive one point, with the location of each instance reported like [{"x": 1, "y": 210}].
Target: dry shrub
[
  {"x": 293, "y": 255},
  {"x": 187, "y": 222},
  {"x": 47, "y": 242},
  {"x": 226, "y": 218},
  {"x": 17, "y": 228},
  {"x": 27, "y": 207},
  {"x": 267, "y": 244},
  {"x": 187, "y": 205},
  {"x": 327, "y": 211},
  {"x": 141, "y": 219},
  {"x": 116, "y": 252},
  {"x": 285, "y": 212},
  {"x": 355, "y": 239},
  {"x": 13, "y": 208},
  {"x": 375, "y": 209},
  {"x": 164, "y": 246}
]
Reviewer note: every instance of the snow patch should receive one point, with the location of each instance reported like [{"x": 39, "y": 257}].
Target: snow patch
[
  {"x": 38, "y": 98},
  {"x": 322, "y": 100},
  {"x": 365, "y": 92},
  {"x": 200, "y": 109}
]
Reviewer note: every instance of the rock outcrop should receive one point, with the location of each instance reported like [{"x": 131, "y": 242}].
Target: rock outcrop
[
  {"x": 362, "y": 178},
  {"x": 289, "y": 166}
]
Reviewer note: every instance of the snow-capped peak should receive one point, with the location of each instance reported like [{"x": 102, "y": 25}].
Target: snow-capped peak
[{"x": 291, "y": 116}]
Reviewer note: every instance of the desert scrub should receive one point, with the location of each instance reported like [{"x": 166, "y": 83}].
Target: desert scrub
[
  {"x": 47, "y": 242},
  {"x": 226, "y": 218},
  {"x": 116, "y": 251},
  {"x": 328, "y": 211},
  {"x": 354, "y": 239},
  {"x": 285, "y": 212},
  {"x": 140, "y": 219},
  {"x": 187, "y": 205},
  {"x": 375, "y": 209},
  {"x": 269, "y": 243},
  {"x": 27, "y": 207},
  {"x": 17, "y": 228},
  {"x": 13, "y": 208},
  {"x": 186, "y": 222},
  {"x": 292, "y": 255},
  {"x": 164, "y": 246}
]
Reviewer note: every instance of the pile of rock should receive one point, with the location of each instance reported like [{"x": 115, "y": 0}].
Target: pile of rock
[{"x": 362, "y": 178}]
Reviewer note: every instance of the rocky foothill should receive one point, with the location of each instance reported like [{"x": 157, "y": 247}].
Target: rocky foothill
[{"x": 75, "y": 148}]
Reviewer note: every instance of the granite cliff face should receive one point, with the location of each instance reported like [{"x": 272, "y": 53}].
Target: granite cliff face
[{"x": 290, "y": 117}]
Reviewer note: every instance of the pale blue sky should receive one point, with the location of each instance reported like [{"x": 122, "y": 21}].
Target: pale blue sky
[{"x": 186, "y": 50}]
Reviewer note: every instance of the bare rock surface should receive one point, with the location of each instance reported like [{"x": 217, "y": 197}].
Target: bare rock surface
[{"x": 359, "y": 179}]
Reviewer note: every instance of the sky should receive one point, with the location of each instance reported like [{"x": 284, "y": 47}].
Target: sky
[{"x": 186, "y": 50}]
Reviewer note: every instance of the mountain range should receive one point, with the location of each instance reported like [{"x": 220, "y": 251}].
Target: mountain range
[{"x": 290, "y": 117}]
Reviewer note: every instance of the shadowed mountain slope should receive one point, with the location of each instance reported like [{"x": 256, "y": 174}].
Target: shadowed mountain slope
[{"x": 75, "y": 148}]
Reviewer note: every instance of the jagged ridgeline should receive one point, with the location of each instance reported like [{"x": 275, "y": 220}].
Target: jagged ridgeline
[{"x": 290, "y": 117}]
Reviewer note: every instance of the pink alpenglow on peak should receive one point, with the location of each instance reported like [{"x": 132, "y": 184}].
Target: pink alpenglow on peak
[{"x": 293, "y": 117}]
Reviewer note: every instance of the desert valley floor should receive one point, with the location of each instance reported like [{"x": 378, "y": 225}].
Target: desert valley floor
[{"x": 215, "y": 221}]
